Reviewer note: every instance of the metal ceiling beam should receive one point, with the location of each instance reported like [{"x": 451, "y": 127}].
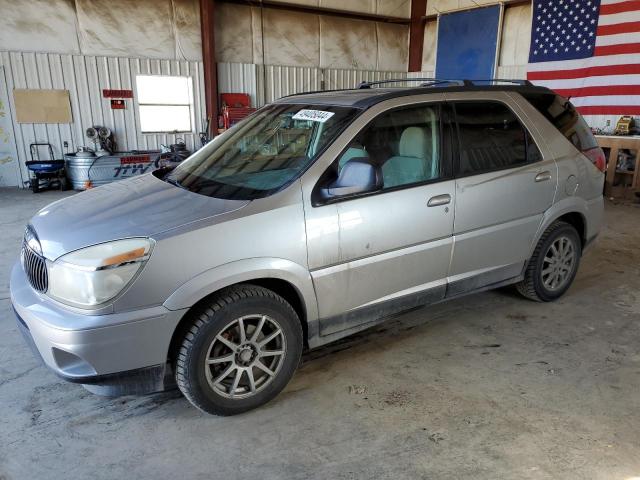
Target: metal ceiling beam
[
  {"x": 207, "y": 10},
  {"x": 416, "y": 34},
  {"x": 332, "y": 12}
]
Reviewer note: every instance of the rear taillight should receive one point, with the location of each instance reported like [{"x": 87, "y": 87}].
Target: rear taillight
[{"x": 596, "y": 155}]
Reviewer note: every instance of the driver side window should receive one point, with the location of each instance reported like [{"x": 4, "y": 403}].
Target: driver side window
[{"x": 404, "y": 143}]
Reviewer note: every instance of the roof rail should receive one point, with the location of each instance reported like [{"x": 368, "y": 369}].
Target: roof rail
[
  {"x": 427, "y": 82},
  {"x": 505, "y": 80}
]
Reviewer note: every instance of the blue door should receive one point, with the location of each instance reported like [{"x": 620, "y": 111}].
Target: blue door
[{"x": 467, "y": 44}]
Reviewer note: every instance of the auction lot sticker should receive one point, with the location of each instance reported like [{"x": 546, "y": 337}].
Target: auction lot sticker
[{"x": 313, "y": 115}]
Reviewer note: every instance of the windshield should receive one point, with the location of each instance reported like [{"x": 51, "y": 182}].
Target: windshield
[{"x": 263, "y": 153}]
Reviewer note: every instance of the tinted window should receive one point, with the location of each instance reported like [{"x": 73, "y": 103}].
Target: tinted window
[
  {"x": 404, "y": 143},
  {"x": 263, "y": 153},
  {"x": 492, "y": 138},
  {"x": 565, "y": 118}
]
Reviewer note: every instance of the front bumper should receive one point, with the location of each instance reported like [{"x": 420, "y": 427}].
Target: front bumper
[{"x": 110, "y": 354}]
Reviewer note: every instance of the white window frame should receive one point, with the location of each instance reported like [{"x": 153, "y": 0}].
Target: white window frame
[{"x": 191, "y": 106}]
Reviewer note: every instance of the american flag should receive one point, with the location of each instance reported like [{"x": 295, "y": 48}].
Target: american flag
[{"x": 588, "y": 50}]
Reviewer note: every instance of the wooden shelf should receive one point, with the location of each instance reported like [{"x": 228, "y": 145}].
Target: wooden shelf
[{"x": 614, "y": 144}]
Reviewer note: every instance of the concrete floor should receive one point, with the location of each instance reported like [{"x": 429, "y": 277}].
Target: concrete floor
[{"x": 489, "y": 386}]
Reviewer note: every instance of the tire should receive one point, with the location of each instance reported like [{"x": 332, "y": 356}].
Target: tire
[
  {"x": 35, "y": 184},
  {"x": 536, "y": 284},
  {"x": 205, "y": 352}
]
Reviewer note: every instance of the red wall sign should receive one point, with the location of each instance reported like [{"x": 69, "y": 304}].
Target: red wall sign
[
  {"x": 107, "y": 93},
  {"x": 117, "y": 104}
]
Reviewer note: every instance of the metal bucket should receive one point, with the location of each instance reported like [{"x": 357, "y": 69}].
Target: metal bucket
[{"x": 84, "y": 171}]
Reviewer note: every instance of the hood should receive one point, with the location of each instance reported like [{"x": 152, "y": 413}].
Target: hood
[{"x": 138, "y": 207}]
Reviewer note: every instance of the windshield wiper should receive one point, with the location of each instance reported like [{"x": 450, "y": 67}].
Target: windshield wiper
[{"x": 173, "y": 182}]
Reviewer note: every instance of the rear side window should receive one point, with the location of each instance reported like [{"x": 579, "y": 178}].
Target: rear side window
[
  {"x": 565, "y": 118},
  {"x": 492, "y": 138}
]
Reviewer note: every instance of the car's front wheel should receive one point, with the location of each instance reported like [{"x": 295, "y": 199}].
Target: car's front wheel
[
  {"x": 239, "y": 351},
  {"x": 553, "y": 265}
]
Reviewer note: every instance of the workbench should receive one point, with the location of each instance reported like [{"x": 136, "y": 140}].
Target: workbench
[{"x": 620, "y": 183}]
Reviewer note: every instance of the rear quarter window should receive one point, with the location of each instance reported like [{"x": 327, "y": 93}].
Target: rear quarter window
[{"x": 563, "y": 115}]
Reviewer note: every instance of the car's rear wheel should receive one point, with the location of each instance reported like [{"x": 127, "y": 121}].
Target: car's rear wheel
[
  {"x": 239, "y": 351},
  {"x": 553, "y": 265}
]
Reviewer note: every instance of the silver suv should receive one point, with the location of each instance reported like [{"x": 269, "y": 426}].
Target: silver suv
[{"x": 319, "y": 216}]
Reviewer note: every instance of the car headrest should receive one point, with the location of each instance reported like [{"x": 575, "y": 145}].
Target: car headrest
[
  {"x": 352, "y": 152},
  {"x": 413, "y": 142}
]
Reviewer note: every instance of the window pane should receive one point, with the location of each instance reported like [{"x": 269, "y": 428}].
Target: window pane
[
  {"x": 165, "y": 118},
  {"x": 162, "y": 89},
  {"x": 533, "y": 152},
  {"x": 565, "y": 118},
  {"x": 258, "y": 156},
  {"x": 491, "y": 137},
  {"x": 404, "y": 143}
]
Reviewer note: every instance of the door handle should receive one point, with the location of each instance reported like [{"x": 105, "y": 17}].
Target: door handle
[
  {"x": 543, "y": 176},
  {"x": 439, "y": 200}
]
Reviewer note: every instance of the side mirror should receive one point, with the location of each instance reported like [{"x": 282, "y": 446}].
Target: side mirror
[{"x": 358, "y": 175}]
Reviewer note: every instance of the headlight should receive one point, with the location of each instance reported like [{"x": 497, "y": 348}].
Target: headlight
[{"x": 94, "y": 275}]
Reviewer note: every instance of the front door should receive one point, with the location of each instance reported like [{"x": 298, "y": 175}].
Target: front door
[
  {"x": 504, "y": 186},
  {"x": 394, "y": 245}
]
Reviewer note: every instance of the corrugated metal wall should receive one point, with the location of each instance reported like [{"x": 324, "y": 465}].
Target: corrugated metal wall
[
  {"x": 512, "y": 72},
  {"x": 85, "y": 77},
  {"x": 266, "y": 83},
  {"x": 241, "y": 78},
  {"x": 280, "y": 81}
]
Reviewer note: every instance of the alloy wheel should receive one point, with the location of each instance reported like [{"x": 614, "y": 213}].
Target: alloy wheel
[
  {"x": 245, "y": 356},
  {"x": 558, "y": 263}
]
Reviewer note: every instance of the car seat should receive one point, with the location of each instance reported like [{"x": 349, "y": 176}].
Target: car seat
[{"x": 410, "y": 166}]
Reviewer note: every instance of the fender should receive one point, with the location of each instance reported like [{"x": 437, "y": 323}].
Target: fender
[
  {"x": 558, "y": 209},
  {"x": 212, "y": 280}
]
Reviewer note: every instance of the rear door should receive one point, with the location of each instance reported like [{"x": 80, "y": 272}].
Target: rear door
[{"x": 503, "y": 187}]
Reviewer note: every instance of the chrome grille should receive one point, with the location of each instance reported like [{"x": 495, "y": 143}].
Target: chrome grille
[{"x": 36, "y": 268}]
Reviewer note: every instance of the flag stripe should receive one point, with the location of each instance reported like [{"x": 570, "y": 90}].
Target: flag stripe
[
  {"x": 629, "y": 58},
  {"x": 585, "y": 72},
  {"x": 610, "y": 110},
  {"x": 625, "y": 6},
  {"x": 617, "y": 18},
  {"x": 603, "y": 81},
  {"x": 616, "y": 39},
  {"x": 599, "y": 91},
  {"x": 610, "y": 100},
  {"x": 618, "y": 28},
  {"x": 617, "y": 49}
]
